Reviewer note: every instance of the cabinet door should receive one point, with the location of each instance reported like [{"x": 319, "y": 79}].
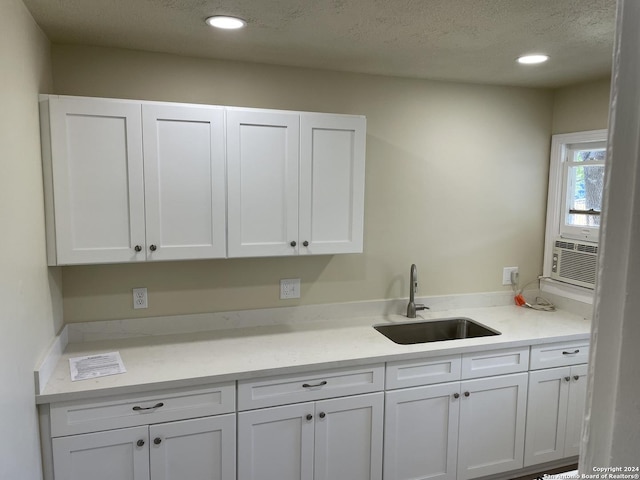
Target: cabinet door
[
  {"x": 276, "y": 443},
  {"x": 332, "y": 163},
  {"x": 546, "y": 415},
  {"x": 492, "y": 421},
  {"x": 262, "y": 169},
  {"x": 575, "y": 409},
  {"x": 421, "y": 432},
  {"x": 198, "y": 449},
  {"x": 185, "y": 181},
  {"x": 97, "y": 174},
  {"x": 103, "y": 456},
  {"x": 348, "y": 438}
]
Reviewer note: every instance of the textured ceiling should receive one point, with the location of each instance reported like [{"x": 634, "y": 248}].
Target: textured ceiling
[{"x": 457, "y": 40}]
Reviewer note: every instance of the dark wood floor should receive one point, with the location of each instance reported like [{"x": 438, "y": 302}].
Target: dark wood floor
[{"x": 533, "y": 476}]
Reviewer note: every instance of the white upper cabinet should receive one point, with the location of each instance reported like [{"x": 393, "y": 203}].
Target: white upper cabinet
[
  {"x": 112, "y": 197},
  {"x": 262, "y": 163},
  {"x": 184, "y": 180},
  {"x": 332, "y": 153},
  {"x": 93, "y": 168},
  {"x": 296, "y": 183},
  {"x": 130, "y": 181}
]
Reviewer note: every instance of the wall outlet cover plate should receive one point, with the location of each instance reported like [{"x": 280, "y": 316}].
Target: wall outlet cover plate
[{"x": 289, "y": 288}]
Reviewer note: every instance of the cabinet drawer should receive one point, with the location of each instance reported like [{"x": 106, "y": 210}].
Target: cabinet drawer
[
  {"x": 559, "y": 354},
  {"x": 285, "y": 389},
  {"x": 69, "y": 418},
  {"x": 413, "y": 373},
  {"x": 495, "y": 362}
]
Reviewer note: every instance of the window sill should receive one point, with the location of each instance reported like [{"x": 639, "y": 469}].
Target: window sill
[{"x": 580, "y": 294}]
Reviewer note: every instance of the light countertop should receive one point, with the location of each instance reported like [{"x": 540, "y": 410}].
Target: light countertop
[{"x": 187, "y": 360}]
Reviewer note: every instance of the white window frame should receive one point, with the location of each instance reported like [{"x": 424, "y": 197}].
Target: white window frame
[{"x": 556, "y": 202}]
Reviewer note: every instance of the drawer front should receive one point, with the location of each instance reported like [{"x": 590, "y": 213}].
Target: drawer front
[
  {"x": 495, "y": 362},
  {"x": 413, "y": 373},
  {"x": 283, "y": 389},
  {"x": 69, "y": 418},
  {"x": 559, "y": 354}
]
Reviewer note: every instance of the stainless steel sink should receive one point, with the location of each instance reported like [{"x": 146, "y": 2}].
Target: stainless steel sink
[{"x": 438, "y": 330}]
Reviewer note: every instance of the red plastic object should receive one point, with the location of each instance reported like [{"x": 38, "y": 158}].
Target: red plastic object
[{"x": 519, "y": 299}]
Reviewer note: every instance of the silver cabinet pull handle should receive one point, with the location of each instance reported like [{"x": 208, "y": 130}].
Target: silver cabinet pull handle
[
  {"x": 307, "y": 385},
  {"x": 157, "y": 405},
  {"x": 571, "y": 353}
]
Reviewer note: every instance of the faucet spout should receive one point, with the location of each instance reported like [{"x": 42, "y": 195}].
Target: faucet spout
[{"x": 412, "y": 307}]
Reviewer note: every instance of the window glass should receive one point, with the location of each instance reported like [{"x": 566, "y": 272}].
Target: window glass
[
  {"x": 582, "y": 190},
  {"x": 587, "y": 155},
  {"x": 585, "y": 195}
]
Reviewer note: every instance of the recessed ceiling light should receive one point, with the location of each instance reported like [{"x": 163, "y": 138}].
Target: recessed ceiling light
[
  {"x": 228, "y": 23},
  {"x": 531, "y": 59}
]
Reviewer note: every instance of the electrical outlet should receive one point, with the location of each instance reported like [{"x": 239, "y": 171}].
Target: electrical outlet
[
  {"x": 289, "y": 288},
  {"x": 140, "y": 298},
  {"x": 506, "y": 275}
]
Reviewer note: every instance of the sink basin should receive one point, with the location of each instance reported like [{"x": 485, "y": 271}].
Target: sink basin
[{"x": 438, "y": 330}]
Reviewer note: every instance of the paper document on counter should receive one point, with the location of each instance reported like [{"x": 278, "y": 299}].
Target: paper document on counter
[{"x": 93, "y": 366}]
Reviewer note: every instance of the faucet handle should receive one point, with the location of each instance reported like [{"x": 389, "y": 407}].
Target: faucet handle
[{"x": 421, "y": 306}]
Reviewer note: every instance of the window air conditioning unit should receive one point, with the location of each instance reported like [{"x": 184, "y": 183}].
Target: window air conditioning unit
[{"x": 575, "y": 262}]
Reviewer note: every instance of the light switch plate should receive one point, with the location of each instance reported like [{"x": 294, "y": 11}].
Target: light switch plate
[
  {"x": 506, "y": 275},
  {"x": 289, "y": 288}
]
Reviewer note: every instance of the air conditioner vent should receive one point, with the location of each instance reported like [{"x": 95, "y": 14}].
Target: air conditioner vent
[
  {"x": 575, "y": 263},
  {"x": 587, "y": 248}
]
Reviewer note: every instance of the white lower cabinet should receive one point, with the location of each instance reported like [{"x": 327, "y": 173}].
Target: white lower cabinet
[
  {"x": 121, "y": 454},
  {"x": 202, "y": 448},
  {"x": 196, "y": 449},
  {"x": 172, "y": 434},
  {"x": 334, "y": 439},
  {"x": 492, "y": 425},
  {"x": 575, "y": 409},
  {"x": 421, "y": 432},
  {"x": 555, "y": 413},
  {"x": 454, "y": 417},
  {"x": 276, "y": 443},
  {"x": 455, "y": 430}
]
